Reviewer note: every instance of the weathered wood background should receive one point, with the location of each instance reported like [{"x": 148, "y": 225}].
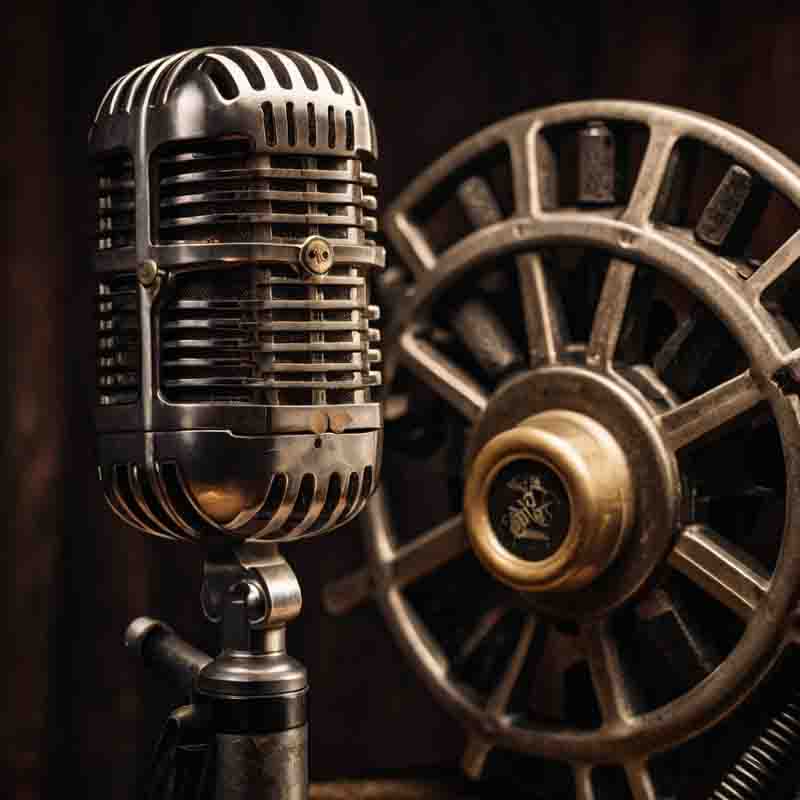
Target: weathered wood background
[{"x": 79, "y": 714}]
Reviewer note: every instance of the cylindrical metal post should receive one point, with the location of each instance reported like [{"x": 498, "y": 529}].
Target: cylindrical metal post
[{"x": 272, "y": 766}]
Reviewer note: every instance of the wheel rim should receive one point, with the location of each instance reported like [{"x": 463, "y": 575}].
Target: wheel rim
[{"x": 633, "y": 241}]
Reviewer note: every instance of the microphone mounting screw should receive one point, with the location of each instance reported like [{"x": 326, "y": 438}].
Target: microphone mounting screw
[
  {"x": 147, "y": 272},
  {"x": 316, "y": 255}
]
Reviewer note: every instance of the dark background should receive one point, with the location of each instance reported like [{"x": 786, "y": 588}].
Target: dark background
[{"x": 78, "y": 712}]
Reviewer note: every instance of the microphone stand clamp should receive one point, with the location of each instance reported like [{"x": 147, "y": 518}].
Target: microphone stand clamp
[{"x": 248, "y": 705}]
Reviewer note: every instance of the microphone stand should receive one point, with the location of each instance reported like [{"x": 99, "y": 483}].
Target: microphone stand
[{"x": 244, "y": 734}]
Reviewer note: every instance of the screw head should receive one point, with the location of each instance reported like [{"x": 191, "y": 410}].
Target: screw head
[
  {"x": 316, "y": 255},
  {"x": 147, "y": 272}
]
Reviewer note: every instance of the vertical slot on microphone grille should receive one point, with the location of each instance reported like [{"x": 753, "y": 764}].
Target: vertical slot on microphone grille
[
  {"x": 350, "y": 136},
  {"x": 264, "y": 335},
  {"x": 118, "y": 353},
  {"x": 222, "y": 192},
  {"x": 269, "y": 124},
  {"x": 115, "y": 206},
  {"x": 291, "y": 133},
  {"x": 331, "y": 128},
  {"x": 333, "y": 498},
  {"x": 312, "y": 125}
]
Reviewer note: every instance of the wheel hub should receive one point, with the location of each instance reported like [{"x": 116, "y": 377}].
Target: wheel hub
[
  {"x": 549, "y": 502},
  {"x": 590, "y": 441}
]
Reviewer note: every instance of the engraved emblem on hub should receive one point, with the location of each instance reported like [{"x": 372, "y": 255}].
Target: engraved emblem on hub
[
  {"x": 529, "y": 509},
  {"x": 529, "y": 516}
]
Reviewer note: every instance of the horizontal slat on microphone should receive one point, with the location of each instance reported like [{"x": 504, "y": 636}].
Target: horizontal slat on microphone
[
  {"x": 356, "y": 364},
  {"x": 222, "y": 192},
  {"x": 329, "y": 280},
  {"x": 351, "y": 218},
  {"x": 363, "y": 381},
  {"x": 350, "y": 195},
  {"x": 269, "y": 305},
  {"x": 349, "y": 174},
  {"x": 226, "y": 345},
  {"x": 301, "y": 326},
  {"x": 266, "y": 334}
]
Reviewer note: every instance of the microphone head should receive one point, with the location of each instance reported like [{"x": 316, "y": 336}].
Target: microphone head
[{"x": 233, "y": 249}]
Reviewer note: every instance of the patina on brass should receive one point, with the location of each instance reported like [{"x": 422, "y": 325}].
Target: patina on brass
[{"x": 597, "y": 490}]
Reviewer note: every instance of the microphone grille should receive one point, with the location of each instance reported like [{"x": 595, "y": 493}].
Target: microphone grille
[
  {"x": 238, "y": 152},
  {"x": 118, "y": 348},
  {"x": 116, "y": 201},
  {"x": 262, "y": 334},
  {"x": 235, "y": 237},
  {"x": 163, "y": 502},
  {"x": 306, "y": 102}
]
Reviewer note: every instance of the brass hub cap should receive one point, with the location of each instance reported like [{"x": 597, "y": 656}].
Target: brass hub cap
[{"x": 549, "y": 503}]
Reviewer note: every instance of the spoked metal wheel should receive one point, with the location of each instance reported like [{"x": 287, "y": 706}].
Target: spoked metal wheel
[{"x": 592, "y": 376}]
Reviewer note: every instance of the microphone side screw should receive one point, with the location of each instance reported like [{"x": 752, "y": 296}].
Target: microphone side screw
[
  {"x": 147, "y": 272},
  {"x": 316, "y": 255}
]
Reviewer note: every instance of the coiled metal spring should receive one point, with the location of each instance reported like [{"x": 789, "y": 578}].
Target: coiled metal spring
[{"x": 761, "y": 766}]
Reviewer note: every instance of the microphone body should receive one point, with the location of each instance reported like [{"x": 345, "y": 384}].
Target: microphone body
[{"x": 235, "y": 350}]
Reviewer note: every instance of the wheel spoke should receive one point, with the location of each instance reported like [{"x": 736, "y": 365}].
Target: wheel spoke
[
  {"x": 709, "y": 411},
  {"x": 780, "y": 262},
  {"x": 720, "y": 569},
  {"x": 608, "y": 678},
  {"x": 410, "y": 243},
  {"x": 640, "y": 781},
  {"x": 428, "y": 552},
  {"x": 444, "y": 377},
  {"x": 670, "y": 350},
  {"x": 584, "y": 790},
  {"x": 652, "y": 173},
  {"x": 610, "y": 312},
  {"x": 500, "y": 697},
  {"x": 474, "y": 758},
  {"x": 559, "y": 654},
  {"x": 633, "y": 336},
  {"x": 544, "y": 322},
  {"x": 666, "y": 625},
  {"x": 408, "y": 563},
  {"x": 341, "y": 596},
  {"x": 485, "y": 625},
  {"x": 534, "y": 172},
  {"x": 478, "y": 748},
  {"x": 673, "y": 198},
  {"x": 691, "y": 352}
]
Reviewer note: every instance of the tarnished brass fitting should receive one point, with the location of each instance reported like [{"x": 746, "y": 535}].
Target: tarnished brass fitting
[
  {"x": 548, "y": 504},
  {"x": 316, "y": 255}
]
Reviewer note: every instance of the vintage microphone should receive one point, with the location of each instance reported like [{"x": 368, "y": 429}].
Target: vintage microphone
[{"x": 235, "y": 367}]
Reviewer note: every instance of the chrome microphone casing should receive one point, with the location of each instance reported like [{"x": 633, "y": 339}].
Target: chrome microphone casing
[{"x": 234, "y": 370}]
